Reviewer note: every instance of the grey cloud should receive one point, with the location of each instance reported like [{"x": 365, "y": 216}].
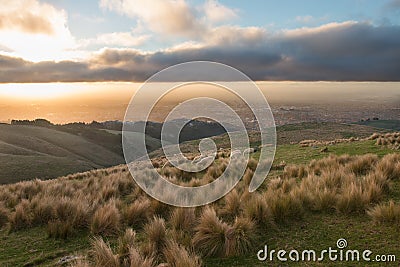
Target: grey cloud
[{"x": 342, "y": 52}]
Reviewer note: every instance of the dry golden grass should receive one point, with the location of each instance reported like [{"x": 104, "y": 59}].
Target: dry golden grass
[
  {"x": 137, "y": 260},
  {"x": 391, "y": 140},
  {"x": 138, "y": 213},
  {"x": 241, "y": 237},
  {"x": 126, "y": 242},
  {"x": 177, "y": 256},
  {"x": 156, "y": 237},
  {"x": 210, "y": 237},
  {"x": 106, "y": 220},
  {"x": 388, "y": 213},
  {"x": 102, "y": 254},
  {"x": 108, "y": 202}
]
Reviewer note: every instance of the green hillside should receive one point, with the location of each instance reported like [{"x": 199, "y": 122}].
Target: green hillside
[{"x": 28, "y": 152}]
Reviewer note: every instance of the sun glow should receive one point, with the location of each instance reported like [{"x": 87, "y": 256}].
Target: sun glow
[{"x": 36, "y": 91}]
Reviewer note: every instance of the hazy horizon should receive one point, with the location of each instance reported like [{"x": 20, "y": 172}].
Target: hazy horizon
[{"x": 71, "y": 102}]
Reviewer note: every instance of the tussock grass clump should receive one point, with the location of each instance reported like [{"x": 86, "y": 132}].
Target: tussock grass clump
[
  {"x": 363, "y": 164},
  {"x": 156, "y": 237},
  {"x": 257, "y": 210},
  {"x": 294, "y": 171},
  {"x": 102, "y": 254},
  {"x": 183, "y": 219},
  {"x": 210, "y": 236},
  {"x": 42, "y": 209},
  {"x": 351, "y": 199},
  {"x": 125, "y": 242},
  {"x": 137, "y": 260},
  {"x": 106, "y": 220},
  {"x": 388, "y": 213},
  {"x": 21, "y": 217},
  {"x": 389, "y": 166},
  {"x": 284, "y": 206},
  {"x": 240, "y": 237},
  {"x": 178, "y": 256},
  {"x": 232, "y": 205},
  {"x": 138, "y": 213},
  {"x": 391, "y": 140}
]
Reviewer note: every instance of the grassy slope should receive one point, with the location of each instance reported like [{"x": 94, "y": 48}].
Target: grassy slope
[
  {"x": 384, "y": 124},
  {"x": 316, "y": 231},
  {"x": 29, "y": 151}
]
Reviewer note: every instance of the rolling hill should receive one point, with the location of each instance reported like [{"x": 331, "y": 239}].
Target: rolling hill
[{"x": 28, "y": 152}]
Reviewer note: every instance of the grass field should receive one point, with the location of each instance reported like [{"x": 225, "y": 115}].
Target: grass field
[
  {"x": 28, "y": 152},
  {"x": 312, "y": 230}
]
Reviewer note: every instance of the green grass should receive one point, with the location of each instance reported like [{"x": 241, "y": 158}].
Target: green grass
[
  {"x": 320, "y": 232},
  {"x": 294, "y": 154},
  {"x": 28, "y": 152},
  {"x": 32, "y": 247}
]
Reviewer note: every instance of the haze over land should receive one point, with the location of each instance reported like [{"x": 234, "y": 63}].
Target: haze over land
[{"x": 291, "y": 101}]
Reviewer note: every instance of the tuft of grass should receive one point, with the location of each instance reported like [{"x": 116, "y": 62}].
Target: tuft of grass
[
  {"x": 21, "y": 217},
  {"x": 351, "y": 199},
  {"x": 183, "y": 219},
  {"x": 232, "y": 205},
  {"x": 178, "y": 256},
  {"x": 102, "y": 254},
  {"x": 138, "y": 213},
  {"x": 106, "y": 220},
  {"x": 137, "y": 260},
  {"x": 257, "y": 209},
  {"x": 241, "y": 237},
  {"x": 388, "y": 213},
  {"x": 126, "y": 242},
  {"x": 156, "y": 237},
  {"x": 210, "y": 236}
]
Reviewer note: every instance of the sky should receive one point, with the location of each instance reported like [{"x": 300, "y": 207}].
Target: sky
[{"x": 44, "y": 41}]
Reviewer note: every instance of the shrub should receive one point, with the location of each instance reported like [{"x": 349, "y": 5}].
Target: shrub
[
  {"x": 106, "y": 220},
  {"x": 385, "y": 213},
  {"x": 102, "y": 254},
  {"x": 210, "y": 236}
]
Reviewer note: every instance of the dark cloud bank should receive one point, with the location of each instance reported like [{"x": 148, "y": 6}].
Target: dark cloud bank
[{"x": 342, "y": 52}]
